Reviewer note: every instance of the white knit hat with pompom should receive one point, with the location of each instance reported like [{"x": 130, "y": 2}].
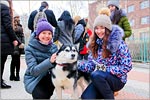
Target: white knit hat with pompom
[{"x": 103, "y": 19}]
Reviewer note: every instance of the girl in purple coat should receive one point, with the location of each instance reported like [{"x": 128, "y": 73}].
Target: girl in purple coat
[{"x": 110, "y": 51}]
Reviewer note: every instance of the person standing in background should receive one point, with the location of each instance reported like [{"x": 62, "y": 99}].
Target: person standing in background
[
  {"x": 15, "y": 62},
  {"x": 8, "y": 37},
  {"x": 63, "y": 33},
  {"x": 86, "y": 36},
  {"x": 81, "y": 36},
  {"x": 119, "y": 17},
  {"x": 49, "y": 14}
]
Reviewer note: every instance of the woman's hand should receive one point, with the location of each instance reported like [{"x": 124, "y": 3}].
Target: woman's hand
[
  {"x": 21, "y": 46},
  {"x": 53, "y": 58},
  {"x": 15, "y": 42}
]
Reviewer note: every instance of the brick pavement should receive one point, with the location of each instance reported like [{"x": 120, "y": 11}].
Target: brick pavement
[{"x": 137, "y": 86}]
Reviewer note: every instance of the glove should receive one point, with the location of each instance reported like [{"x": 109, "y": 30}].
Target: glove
[{"x": 21, "y": 46}]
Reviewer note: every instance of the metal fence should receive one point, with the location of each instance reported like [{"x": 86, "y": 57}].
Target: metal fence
[{"x": 140, "y": 49}]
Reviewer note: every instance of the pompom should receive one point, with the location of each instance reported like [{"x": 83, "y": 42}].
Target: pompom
[{"x": 104, "y": 11}]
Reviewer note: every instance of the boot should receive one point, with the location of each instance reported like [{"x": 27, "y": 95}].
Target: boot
[
  {"x": 12, "y": 77},
  {"x": 17, "y": 77}
]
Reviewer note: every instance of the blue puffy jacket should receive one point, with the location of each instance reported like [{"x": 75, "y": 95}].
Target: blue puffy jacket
[{"x": 37, "y": 58}]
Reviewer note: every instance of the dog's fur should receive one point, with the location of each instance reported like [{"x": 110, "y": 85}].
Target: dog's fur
[{"x": 65, "y": 74}]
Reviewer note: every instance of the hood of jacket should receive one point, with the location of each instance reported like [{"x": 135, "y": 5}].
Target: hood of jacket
[
  {"x": 5, "y": 2},
  {"x": 120, "y": 12},
  {"x": 115, "y": 38}
]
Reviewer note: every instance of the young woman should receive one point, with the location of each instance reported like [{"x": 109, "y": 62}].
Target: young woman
[
  {"x": 15, "y": 62},
  {"x": 109, "y": 50},
  {"x": 40, "y": 58},
  {"x": 119, "y": 17}
]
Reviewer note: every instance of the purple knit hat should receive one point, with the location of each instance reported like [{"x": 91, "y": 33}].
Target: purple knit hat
[{"x": 43, "y": 25}]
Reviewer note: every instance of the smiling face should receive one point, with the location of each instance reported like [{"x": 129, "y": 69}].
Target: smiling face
[
  {"x": 45, "y": 37},
  {"x": 100, "y": 31}
]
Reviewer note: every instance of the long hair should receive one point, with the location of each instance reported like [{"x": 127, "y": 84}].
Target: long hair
[
  {"x": 93, "y": 46},
  {"x": 115, "y": 17},
  {"x": 66, "y": 17}
]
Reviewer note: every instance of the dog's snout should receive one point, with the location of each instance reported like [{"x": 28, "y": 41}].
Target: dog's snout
[{"x": 73, "y": 55}]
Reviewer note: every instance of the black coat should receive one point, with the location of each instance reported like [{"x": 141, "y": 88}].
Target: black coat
[
  {"x": 50, "y": 17},
  {"x": 7, "y": 33},
  {"x": 20, "y": 35}
]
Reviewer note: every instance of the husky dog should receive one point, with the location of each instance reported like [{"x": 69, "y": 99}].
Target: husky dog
[{"x": 65, "y": 72}]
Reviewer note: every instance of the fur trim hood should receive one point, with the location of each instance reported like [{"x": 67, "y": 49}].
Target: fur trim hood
[
  {"x": 120, "y": 12},
  {"x": 115, "y": 38},
  {"x": 123, "y": 12}
]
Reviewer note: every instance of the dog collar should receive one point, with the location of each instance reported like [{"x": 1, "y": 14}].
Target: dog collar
[{"x": 63, "y": 65}]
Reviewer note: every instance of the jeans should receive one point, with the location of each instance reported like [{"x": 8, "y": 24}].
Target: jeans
[{"x": 102, "y": 86}]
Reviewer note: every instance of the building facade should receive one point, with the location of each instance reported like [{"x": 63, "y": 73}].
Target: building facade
[{"x": 138, "y": 13}]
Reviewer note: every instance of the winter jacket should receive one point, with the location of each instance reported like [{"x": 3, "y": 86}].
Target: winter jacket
[
  {"x": 20, "y": 35},
  {"x": 63, "y": 35},
  {"x": 119, "y": 64},
  {"x": 85, "y": 49},
  {"x": 123, "y": 23},
  {"x": 50, "y": 17},
  {"x": 79, "y": 30},
  {"x": 37, "y": 58},
  {"x": 7, "y": 33}
]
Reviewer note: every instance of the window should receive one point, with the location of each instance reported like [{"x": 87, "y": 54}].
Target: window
[
  {"x": 144, "y": 4},
  {"x": 130, "y": 8},
  {"x": 132, "y": 22},
  {"x": 145, "y": 20}
]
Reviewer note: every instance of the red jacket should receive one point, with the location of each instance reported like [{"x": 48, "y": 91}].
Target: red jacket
[{"x": 85, "y": 49}]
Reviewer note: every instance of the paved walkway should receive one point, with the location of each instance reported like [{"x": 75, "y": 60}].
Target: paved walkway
[{"x": 137, "y": 86}]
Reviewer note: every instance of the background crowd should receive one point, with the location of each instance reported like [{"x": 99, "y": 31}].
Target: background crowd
[{"x": 105, "y": 44}]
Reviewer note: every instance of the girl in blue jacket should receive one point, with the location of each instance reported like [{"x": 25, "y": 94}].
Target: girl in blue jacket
[
  {"x": 40, "y": 58},
  {"x": 110, "y": 51}
]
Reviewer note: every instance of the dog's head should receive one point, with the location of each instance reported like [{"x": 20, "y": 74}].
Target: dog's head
[{"x": 67, "y": 54}]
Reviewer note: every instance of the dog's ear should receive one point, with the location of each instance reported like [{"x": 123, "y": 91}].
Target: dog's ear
[
  {"x": 77, "y": 46},
  {"x": 59, "y": 45},
  {"x": 60, "y": 48}
]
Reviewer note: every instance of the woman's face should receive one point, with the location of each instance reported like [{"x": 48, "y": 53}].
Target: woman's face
[
  {"x": 45, "y": 37},
  {"x": 100, "y": 31},
  {"x": 111, "y": 7}
]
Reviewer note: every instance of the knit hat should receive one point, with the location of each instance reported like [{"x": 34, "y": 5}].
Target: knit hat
[
  {"x": 15, "y": 14},
  {"x": 104, "y": 11},
  {"x": 43, "y": 25},
  {"x": 103, "y": 19},
  {"x": 113, "y": 2}
]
